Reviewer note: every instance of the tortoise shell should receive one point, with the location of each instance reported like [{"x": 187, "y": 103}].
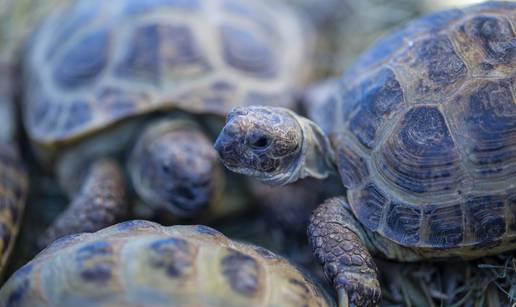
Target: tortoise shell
[
  {"x": 13, "y": 193},
  {"x": 98, "y": 62},
  {"x": 140, "y": 263},
  {"x": 424, "y": 130},
  {"x": 17, "y": 17}
]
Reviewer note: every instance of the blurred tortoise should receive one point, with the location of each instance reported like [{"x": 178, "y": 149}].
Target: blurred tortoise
[
  {"x": 140, "y": 263},
  {"x": 422, "y": 130},
  {"x": 140, "y": 82},
  {"x": 16, "y": 20}
]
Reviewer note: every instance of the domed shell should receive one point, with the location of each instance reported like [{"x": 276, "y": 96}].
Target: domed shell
[
  {"x": 98, "y": 62},
  {"x": 424, "y": 129},
  {"x": 139, "y": 263}
]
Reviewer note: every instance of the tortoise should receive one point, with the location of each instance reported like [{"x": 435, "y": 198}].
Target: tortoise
[
  {"x": 144, "y": 82},
  {"x": 141, "y": 263},
  {"x": 421, "y": 129},
  {"x": 16, "y": 20}
]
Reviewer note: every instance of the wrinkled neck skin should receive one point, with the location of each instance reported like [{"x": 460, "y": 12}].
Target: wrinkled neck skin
[{"x": 316, "y": 158}]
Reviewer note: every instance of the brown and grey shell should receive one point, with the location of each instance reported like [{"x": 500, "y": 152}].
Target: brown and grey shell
[
  {"x": 99, "y": 62},
  {"x": 17, "y": 17},
  {"x": 424, "y": 130},
  {"x": 139, "y": 263}
]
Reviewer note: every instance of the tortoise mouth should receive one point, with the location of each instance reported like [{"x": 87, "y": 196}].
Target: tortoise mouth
[{"x": 239, "y": 159}]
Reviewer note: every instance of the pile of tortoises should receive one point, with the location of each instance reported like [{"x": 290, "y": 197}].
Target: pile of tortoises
[{"x": 122, "y": 101}]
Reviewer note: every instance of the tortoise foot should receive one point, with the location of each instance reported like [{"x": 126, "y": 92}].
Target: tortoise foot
[{"x": 333, "y": 234}]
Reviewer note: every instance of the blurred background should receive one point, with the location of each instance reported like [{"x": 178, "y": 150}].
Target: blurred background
[{"x": 350, "y": 29}]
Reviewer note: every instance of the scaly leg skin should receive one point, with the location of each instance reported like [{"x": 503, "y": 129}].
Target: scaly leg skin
[
  {"x": 334, "y": 236},
  {"x": 101, "y": 202}
]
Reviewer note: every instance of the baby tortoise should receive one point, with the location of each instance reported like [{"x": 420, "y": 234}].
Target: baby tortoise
[
  {"x": 422, "y": 130},
  {"x": 16, "y": 19},
  {"x": 140, "y": 263},
  {"x": 138, "y": 81}
]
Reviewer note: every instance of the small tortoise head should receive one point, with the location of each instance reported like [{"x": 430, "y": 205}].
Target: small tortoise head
[
  {"x": 176, "y": 168},
  {"x": 263, "y": 142}
]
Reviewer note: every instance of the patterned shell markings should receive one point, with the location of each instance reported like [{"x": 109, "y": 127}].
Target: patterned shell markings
[
  {"x": 142, "y": 263},
  {"x": 426, "y": 135},
  {"x": 99, "y": 62}
]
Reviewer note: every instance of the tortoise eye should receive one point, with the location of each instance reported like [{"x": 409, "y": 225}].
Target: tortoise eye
[{"x": 259, "y": 141}]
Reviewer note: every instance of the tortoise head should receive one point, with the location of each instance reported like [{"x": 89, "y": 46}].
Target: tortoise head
[
  {"x": 173, "y": 166},
  {"x": 263, "y": 142}
]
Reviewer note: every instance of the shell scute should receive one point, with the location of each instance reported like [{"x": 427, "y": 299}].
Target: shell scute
[
  {"x": 77, "y": 18},
  {"x": 79, "y": 113},
  {"x": 431, "y": 68},
  {"x": 242, "y": 272},
  {"x": 159, "y": 51},
  {"x": 117, "y": 103},
  {"x": 95, "y": 261},
  {"x": 445, "y": 224},
  {"x": 245, "y": 51},
  {"x": 494, "y": 36},
  {"x": 403, "y": 223},
  {"x": 421, "y": 156},
  {"x": 489, "y": 122},
  {"x": 181, "y": 53},
  {"x": 370, "y": 204},
  {"x": 172, "y": 255},
  {"x": 72, "y": 70},
  {"x": 443, "y": 65},
  {"x": 353, "y": 167},
  {"x": 488, "y": 44},
  {"x": 378, "y": 96},
  {"x": 142, "y": 61},
  {"x": 486, "y": 217}
]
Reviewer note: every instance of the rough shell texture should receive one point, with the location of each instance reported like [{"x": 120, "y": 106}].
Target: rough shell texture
[
  {"x": 424, "y": 127},
  {"x": 16, "y": 19},
  {"x": 13, "y": 192},
  {"x": 98, "y": 62},
  {"x": 139, "y": 263}
]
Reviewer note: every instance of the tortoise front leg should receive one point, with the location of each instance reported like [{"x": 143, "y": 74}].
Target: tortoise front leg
[
  {"x": 101, "y": 202},
  {"x": 335, "y": 236}
]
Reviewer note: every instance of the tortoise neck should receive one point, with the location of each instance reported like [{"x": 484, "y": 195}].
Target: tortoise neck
[{"x": 317, "y": 159}]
